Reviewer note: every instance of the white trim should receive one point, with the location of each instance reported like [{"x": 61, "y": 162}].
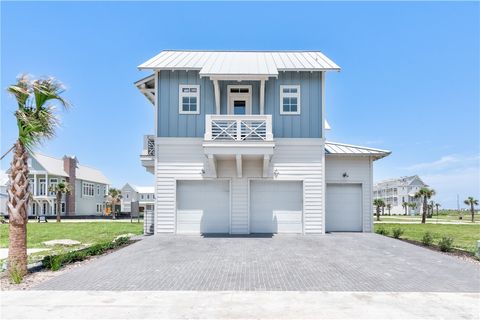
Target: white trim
[
  {"x": 262, "y": 96},
  {"x": 240, "y": 96},
  {"x": 290, "y": 95},
  {"x": 216, "y": 90},
  {"x": 323, "y": 121},
  {"x": 181, "y": 94}
]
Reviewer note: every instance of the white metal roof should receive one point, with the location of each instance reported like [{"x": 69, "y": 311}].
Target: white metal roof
[
  {"x": 54, "y": 166},
  {"x": 144, "y": 189},
  {"x": 336, "y": 148},
  {"x": 259, "y": 63}
]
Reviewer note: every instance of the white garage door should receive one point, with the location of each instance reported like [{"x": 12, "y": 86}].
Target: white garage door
[
  {"x": 343, "y": 207},
  {"x": 276, "y": 207},
  {"x": 203, "y": 207}
]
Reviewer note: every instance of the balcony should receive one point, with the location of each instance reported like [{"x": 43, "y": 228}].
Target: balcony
[
  {"x": 237, "y": 137},
  {"x": 147, "y": 157},
  {"x": 238, "y": 128}
]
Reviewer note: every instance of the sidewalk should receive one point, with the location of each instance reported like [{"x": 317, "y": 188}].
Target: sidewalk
[{"x": 236, "y": 305}]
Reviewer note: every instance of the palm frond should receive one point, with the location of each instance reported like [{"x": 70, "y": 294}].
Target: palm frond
[
  {"x": 48, "y": 89},
  {"x": 20, "y": 91}
]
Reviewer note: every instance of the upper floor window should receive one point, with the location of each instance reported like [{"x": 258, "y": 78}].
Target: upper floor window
[
  {"x": 189, "y": 99},
  {"x": 88, "y": 189},
  {"x": 290, "y": 99}
]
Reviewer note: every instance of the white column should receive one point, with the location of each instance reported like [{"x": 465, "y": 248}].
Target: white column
[
  {"x": 216, "y": 89},
  {"x": 262, "y": 96},
  {"x": 35, "y": 184}
]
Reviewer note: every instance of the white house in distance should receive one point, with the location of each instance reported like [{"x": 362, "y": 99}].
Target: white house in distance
[
  {"x": 239, "y": 146},
  {"x": 145, "y": 195},
  {"x": 89, "y": 186},
  {"x": 397, "y": 191}
]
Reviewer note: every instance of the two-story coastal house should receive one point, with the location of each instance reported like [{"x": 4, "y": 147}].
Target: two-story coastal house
[
  {"x": 239, "y": 146},
  {"x": 145, "y": 195},
  {"x": 88, "y": 186},
  {"x": 398, "y": 191}
]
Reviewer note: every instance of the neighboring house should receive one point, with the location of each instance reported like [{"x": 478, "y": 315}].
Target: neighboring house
[
  {"x": 239, "y": 146},
  {"x": 397, "y": 191},
  {"x": 144, "y": 195},
  {"x": 89, "y": 186},
  {"x": 3, "y": 193}
]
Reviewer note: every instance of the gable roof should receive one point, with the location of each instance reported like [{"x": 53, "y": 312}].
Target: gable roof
[
  {"x": 144, "y": 189},
  {"x": 335, "y": 148},
  {"x": 54, "y": 166},
  {"x": 259, "y": 63},
  {"x": 403, "y": 181}
]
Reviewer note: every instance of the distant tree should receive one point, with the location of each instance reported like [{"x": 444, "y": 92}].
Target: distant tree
[
  {"x": 472, "y": 202},
  {"x": 378, "y": 203},
  {"x": 59, "y": 189},
  {"x": 405, "y": 206},
  {"x": 113, "y": 198},
  {"x": 437, "y": 205},
  {"x": 389, "y": 207},
  {"x": 424, "y": 194},
  {"x": 413, "y": 205},
  {"x": 430, "y": 209}
]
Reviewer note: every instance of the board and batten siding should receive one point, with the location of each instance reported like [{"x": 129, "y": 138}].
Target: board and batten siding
[
  {"x": 308, "y": 124},
  {"x": 183, "y": 159},
  {"x": 359, "y": 170}
]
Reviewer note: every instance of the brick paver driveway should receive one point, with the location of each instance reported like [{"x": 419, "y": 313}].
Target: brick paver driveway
[{"x": 332, "y": 262}]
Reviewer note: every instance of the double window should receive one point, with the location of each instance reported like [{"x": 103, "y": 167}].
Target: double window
[
  {"x": 189, "y": 99},
  {"x": 88, "y": 189},
  {"x": 289, "y": 99}
]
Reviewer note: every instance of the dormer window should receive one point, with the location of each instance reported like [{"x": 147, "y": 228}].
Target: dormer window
[
  {"x": 290, "y": 100},
  {"x": 189, "y": 99}
]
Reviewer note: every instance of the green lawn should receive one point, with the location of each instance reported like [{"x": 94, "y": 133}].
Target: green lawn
[
  {"x": 465, "y": 236},
  {"x": 440, "y": 218},
  {"x": 85, "y": 232}
]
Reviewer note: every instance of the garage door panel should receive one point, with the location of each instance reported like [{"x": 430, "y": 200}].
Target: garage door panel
[
  {"x": 343, "y": 207},
  {"x": 203, "y": 207},
  {"x": 276, "y": 207}
]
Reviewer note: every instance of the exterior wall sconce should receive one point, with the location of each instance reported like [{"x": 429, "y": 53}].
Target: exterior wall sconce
[
  {"x": 345, "y": 175},
  {"x": 203, "y": 171},
  {"x": 276, "y": 173}
]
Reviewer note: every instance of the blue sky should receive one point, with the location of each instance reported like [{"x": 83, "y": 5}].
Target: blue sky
[{"x": 409, "y": 81}]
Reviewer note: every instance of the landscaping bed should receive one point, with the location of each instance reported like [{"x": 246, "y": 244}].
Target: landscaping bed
[{"x": 464, "y": 237}]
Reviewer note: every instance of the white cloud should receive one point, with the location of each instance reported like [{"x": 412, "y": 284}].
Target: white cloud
[{"x": 451, "y": 175}]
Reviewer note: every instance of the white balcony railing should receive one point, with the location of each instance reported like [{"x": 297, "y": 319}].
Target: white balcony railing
[
  {"x": 148, "y": 146},
  {"x": 238, "y": 128}
]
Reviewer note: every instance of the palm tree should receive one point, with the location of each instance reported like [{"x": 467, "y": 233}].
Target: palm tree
[
  {"x": 389, "y": 207},
  {"x": 59, "y": 189},
  {"x": 405, "y": 206},
  {"x": 472, "y": 202},
  {"x": 412, "y": 205},
  {"x": 114, "y": 197},
  {"x": 430, "y": 209},
  {"x": 425, "y": 194},
  {"x": 36, "y": 121},
  {"x": 378, "y": 203},
  {"x": 437, "y": 205}
]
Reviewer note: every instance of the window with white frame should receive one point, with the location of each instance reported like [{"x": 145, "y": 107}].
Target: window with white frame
[
  {"x": 88, "y": 189},
  {"x": 290, "y": 99},
  {"x": 189, "y": 99},
  {"x": 63, "y": 207}
]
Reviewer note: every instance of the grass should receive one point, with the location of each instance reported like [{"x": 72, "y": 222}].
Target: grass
[
  {"x": 85, "y": 232},
  {"x": 464, "y": 236},
  {"x": 440, "y": 218},
  {"x": 88, "y": 233}
]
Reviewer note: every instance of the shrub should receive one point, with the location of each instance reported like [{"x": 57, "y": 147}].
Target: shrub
[
  {"x": 382, "y": 231},
  {"x": 446, "y": 244},
  {"x": 15, "y": 275},
  {"x": 397, "y": 232},
  {"x": 56, "y": 262},
  {"x": 427, "y": 238}
]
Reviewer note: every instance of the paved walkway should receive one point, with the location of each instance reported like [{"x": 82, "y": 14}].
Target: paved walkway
[
  {"x": 236, "y": 305},
  {"x": 332, "y": 262}
]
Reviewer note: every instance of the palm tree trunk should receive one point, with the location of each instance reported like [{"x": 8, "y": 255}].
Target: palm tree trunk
[
  {"x": 424, "y": 213},
  {"x": 378, "y": 214},
  {"x": 59, "y": 202},
  {"x": 472, "y": 209},
  {"x": 18, "y": 196},
  {"x": 113, "y": 210}
]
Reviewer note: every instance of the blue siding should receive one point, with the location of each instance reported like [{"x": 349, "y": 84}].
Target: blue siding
[{"x": 306, "y": 125}]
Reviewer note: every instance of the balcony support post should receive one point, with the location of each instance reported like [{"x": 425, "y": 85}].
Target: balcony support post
[
  {"x": 216, "y": 89},
  {"x": 262, "y": 96}
]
